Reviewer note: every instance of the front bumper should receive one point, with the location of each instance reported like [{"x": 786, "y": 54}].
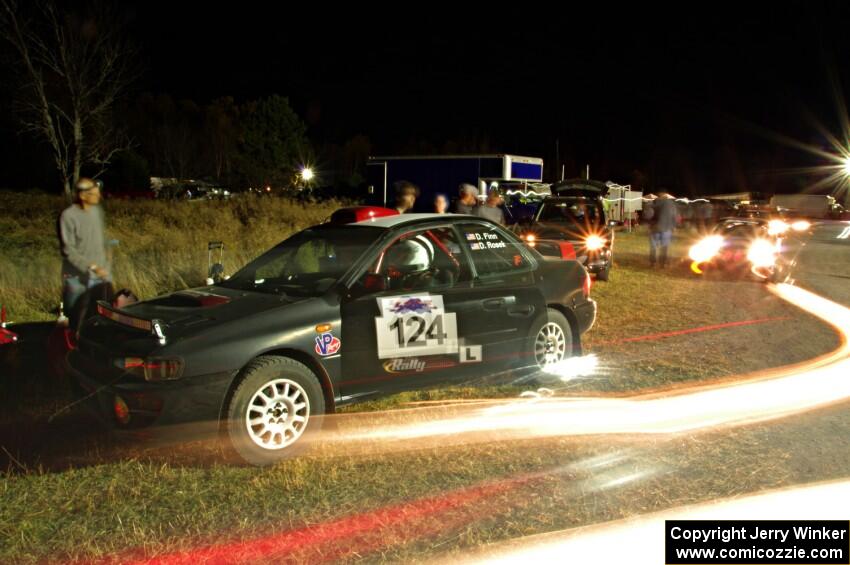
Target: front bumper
[
  {"x": 596, "y": 261},
  {"x": 186, "y": 400}
]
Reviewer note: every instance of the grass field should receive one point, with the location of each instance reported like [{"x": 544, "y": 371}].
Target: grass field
[
  {"x": 162, "y": 245},
  {"x": 72, "y": 493}
]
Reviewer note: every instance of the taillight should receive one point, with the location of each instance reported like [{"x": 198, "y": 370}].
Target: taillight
[
  {"x": 588, "y": 282},
  {"x": 152, "y": 369},
  {"x": 121, "y": 410},
  {"x": 568, "y": 252}
]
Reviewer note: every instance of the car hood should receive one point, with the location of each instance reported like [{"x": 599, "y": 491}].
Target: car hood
[{"x": 185, "y": 310}]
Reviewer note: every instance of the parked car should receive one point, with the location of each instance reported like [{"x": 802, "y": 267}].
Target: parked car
[
  {"x": 369, "y": 303},
  {"x": 578, "y": 217}
]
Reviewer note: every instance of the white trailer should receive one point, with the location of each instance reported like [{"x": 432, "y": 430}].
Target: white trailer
[
  {"x": 819, "y": 206},
  {"x": 622, "y": 203}
]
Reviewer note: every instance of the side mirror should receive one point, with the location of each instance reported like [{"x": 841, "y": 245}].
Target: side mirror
[
  {"x": 374, "y": 282},
  {"x": 371, "y": 283}
]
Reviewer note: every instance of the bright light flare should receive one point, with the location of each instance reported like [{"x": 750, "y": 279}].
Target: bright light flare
[
  {"x": 777, "y": 227},
  {"x": 762, "y": 254},
  {"x": 706, "y": 248},
  {"x": 801, "y": 225},
  {"x": 307, "y": 174},
  {"x": 573, "y": 367},
  {"x": 846, "y": 166},
  {"x": 594, "y": 242}
]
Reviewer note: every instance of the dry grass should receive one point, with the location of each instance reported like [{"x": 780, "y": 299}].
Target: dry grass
[{"x": 162, "y": 245}]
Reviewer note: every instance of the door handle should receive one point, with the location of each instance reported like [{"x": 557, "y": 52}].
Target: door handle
[
  {"x": 521, "y": 311},
  {"x": 498, "y": 303}
]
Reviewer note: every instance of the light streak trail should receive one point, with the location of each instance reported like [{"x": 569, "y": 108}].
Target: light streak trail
[
  {"x": 641, "y": 540},
  {"x": 765, "y": 395}
]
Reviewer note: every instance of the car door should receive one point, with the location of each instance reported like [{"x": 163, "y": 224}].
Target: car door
[
  {"x": 507, "y": 298},
  {"x": 420, "y": 327}
]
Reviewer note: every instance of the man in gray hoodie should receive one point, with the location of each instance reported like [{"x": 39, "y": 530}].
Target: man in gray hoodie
[
  {"x": 82, "y": 243},
  {"x": 663, "y": 218}
]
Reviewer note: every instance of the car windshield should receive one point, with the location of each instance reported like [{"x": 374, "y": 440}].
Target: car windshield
[
  {"x": 575, "y": 210},
  {"x": 745, "y": 230},
  {"x": 308, "y": 263}
]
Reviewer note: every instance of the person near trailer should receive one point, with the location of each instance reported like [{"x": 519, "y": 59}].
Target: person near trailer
[
  {"x": 441, "y": 203},
  {"x": 663, "y": 218},
  {"x": 406, "y": 194},
  {"x": 467, "y": 201},
  {"x": 492, "y": 207}
]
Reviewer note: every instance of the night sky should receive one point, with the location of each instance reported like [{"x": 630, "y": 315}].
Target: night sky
[{"x": 682, "y": 94}]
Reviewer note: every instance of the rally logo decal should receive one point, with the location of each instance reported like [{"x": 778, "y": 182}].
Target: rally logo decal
[
  {"x": 408, "y": 365},
  {"x": 401, "y": 365},
  {"x": 327, "y": 344}
]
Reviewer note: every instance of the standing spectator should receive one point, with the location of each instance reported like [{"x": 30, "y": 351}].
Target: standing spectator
[
  {"x": 83, "y": 247},
  {"x": 405, "y": 196},
  {"x": 441, "y": 204},
  {"x": 491, "y": 209},
  {"x": 663, "y": 217},
  {"x": 706, "y": 213},
  {"x": 468, "y": 199}
]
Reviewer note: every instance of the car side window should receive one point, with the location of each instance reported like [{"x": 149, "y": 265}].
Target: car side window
[
  {"x": 424, "y": 260},
  {"x": 494, "y": 253}
]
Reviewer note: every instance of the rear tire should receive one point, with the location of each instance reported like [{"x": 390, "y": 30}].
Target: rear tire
[
  {"x": 604, "y": 274},
  {"x": 277, "y": 405},
  {"x": 550, "y": 340}
]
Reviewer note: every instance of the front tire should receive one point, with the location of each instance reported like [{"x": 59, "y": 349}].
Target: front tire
[{"x": 277, "y": 405}]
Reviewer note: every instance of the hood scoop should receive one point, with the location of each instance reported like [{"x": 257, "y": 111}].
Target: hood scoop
[{"x": 191, "y": 299}]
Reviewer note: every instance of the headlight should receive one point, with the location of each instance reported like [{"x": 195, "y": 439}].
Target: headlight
[
  {"x": 594, "y": 242},
  {"x": 762, "y": 253},
  {"x": 801, "y": 225},
  {"x": 530, "y": 237},
  {"x": 706, "y": 248},
  {"x": 777, "y": 227}
]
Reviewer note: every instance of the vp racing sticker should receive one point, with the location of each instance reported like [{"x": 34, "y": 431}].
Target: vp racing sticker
[{"x": 327, "y": 344}]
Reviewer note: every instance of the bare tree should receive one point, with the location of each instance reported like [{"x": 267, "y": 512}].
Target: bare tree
[
  {"x": 72, "y": 70},
  {"x": 222, "y": 131}
]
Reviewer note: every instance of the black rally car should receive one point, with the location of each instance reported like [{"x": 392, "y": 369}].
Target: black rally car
[{"x": 360, "y": 306}]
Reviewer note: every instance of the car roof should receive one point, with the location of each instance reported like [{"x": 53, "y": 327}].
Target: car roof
[
  {"x": 594, "y": 197},
  {"x": 390, "y": 222}
]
